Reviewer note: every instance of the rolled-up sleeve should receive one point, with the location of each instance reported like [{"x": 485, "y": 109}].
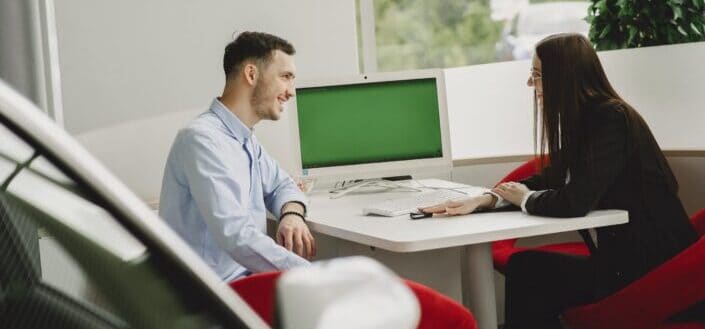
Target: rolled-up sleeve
[{"x": 222, "y": 202}]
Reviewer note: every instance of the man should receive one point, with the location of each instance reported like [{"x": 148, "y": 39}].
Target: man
[{"x": 219, "y": 181}]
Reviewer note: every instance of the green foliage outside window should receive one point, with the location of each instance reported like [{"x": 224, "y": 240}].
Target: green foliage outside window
[
  {"x": 617, "y": 24},
  {"x": 415, "y": 34}
]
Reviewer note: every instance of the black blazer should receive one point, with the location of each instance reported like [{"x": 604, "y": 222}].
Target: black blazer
[{"x": 617, "y": 165}]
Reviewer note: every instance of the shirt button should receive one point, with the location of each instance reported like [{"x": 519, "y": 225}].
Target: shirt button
[{"x": 618, "y": 274}]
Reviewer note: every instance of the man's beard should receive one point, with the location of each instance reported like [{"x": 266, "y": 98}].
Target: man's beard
[{"x": 259, "y": 101}]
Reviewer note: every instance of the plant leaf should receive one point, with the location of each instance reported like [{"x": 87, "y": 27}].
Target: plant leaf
[
  {"x": 601, "y": 6},
  {"x": 682, "y": 31},
  {"x": 632, "y": 34},
  {"x": 605, "y": 31},
  {"x": 677, "y": 12}
]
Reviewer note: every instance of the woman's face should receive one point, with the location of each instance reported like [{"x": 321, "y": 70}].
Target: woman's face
[{"x": 535, "y": 79}]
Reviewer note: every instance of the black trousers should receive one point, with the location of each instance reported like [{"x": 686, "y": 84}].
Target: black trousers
[{"x": 541, "y": 285}]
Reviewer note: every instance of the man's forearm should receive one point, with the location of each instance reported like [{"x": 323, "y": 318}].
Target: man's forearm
[{"x": 293, "y": 206}]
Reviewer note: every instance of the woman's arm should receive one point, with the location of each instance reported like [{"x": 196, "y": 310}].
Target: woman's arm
[
  {"x": 604, "y": 156},
  {"x": 462, "y": 207},
  {"x": 548, "y": 178}
]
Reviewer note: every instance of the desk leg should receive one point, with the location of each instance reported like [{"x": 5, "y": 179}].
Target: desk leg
[{"x": 478, "y": 284}]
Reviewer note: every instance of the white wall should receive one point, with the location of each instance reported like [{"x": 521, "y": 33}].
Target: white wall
[
  {"x": 20, "y": 60},
  {"x": 130, "y": 66},
  {"x": 127, "y": 60},
  {"x": 490, "y": 110},
  {"x": 665, "y": 84}
]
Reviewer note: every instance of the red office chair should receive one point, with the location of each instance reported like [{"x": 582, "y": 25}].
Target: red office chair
[
  {"x": 502, "y": 250},
  {"x": 437, "y": 311},
  {"x": 698, "y": 221},
  {"x": 649, "y": 301}
]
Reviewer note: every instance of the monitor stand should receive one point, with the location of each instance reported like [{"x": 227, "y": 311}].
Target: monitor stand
[{"x": 376, "y": 182}]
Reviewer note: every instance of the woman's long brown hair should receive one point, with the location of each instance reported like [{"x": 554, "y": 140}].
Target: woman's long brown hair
[{"x": 574, "y": 82}]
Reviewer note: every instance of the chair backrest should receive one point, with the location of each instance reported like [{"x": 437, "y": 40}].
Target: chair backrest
[
  {"x": 651, "y": 300},
  {"x": 526, "y": 170},
  {"x": 437, "y": 311},
  {"x": 258, "y": 291},
  {"x": 698, "y": 220}
]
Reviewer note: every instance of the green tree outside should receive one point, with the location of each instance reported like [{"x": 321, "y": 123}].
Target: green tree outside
[{"x": 414, "y": 34}]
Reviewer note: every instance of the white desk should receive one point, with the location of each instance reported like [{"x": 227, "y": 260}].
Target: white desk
[{"x": 342, "y": 218}]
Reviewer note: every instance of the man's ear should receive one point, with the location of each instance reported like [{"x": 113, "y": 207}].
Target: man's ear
[{"x": 251, "y": 73}]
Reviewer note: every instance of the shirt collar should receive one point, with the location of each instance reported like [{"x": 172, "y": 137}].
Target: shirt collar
[{"x": 231, "y": 121}]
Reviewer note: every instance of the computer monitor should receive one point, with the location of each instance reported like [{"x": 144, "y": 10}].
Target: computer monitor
[{"x": 372, "y": 126}]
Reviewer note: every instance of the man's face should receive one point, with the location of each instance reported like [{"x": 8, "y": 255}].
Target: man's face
[{"x": 274, "y": 87}]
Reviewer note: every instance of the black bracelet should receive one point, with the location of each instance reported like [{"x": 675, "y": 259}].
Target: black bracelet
[
  {"x": 292, "y": 213},
  {"x": 299, "y": 202}
]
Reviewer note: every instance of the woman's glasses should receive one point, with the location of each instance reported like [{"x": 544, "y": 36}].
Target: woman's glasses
[{"x": 535, "y": 75}]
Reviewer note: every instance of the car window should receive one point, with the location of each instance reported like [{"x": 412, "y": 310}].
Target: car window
[
  {"x": 12, "y": 147},
  {"x": 69, "y": 263},
  {"x": 7, "y": 166}
]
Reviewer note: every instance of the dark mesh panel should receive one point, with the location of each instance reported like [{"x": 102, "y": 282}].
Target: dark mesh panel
[
  {"x": 18, "y": 255},
  {"x": 24, "y": 301}
]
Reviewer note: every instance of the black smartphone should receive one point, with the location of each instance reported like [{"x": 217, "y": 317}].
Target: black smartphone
[{"x": 420, "y": 214}]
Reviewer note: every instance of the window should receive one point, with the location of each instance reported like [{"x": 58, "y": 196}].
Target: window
[{"x": 419, "y": 34}]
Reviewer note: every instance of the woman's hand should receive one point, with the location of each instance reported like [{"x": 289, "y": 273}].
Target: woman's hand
[
  {"x": 512, "y": 191},
  {"x": 461, "y": 207}
]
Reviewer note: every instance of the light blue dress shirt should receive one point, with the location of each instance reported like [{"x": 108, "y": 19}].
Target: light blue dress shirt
[{"x": 218, "y": 184}]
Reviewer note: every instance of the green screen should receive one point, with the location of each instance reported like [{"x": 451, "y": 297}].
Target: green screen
[{"x": 369, "y": 122}]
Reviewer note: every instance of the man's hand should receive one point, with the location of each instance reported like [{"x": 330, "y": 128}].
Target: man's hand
[
  {"x": 512, "y": 191},
  {"x": 294, "y": 235}
]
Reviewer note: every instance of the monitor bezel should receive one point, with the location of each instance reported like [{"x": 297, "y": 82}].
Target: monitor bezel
[{"x": 440, "y": 166}]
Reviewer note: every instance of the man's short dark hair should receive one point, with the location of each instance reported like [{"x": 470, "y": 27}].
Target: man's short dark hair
[{"x": 257, "y": 46}]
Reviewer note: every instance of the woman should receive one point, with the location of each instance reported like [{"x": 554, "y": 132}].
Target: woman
[{"x": 602, "y": 156}]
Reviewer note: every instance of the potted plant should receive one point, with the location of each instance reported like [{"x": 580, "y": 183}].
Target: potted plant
[{"x": 617, "y": 24}]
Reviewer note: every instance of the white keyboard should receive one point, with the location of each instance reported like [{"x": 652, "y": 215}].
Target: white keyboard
[{"x": 409, "y": 204}]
